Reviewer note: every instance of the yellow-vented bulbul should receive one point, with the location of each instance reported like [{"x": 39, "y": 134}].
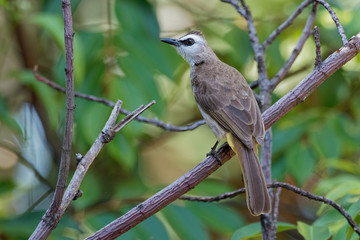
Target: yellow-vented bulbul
[{"x": 229, "y": 107}]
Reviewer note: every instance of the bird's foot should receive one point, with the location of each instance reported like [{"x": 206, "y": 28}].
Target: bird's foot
[{"x": 214, "y": 154}]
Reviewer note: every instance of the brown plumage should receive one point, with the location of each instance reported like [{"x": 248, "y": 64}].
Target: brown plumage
[{"x": 229, "y": 107}]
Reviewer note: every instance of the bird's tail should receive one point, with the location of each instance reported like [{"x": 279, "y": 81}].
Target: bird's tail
[{"x": 257, "y": 195}]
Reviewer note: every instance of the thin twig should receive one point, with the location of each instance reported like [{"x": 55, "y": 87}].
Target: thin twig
[
  {"x": 235, "y": 4},
  {"x": 286, "y": 24},
  {"x": 155, "y": 122},
  {"x": 280, "y": 75},
  {"x": 132, "y": 116},
  {"x": 312, "y": 196},
  {"x": 317, "y": 45},
  {"x": 335, "y": 19},
  {"x": 287, "y": 186}
]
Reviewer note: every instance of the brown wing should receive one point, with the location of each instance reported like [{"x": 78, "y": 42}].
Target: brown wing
[{"x": 223, "y": 93}]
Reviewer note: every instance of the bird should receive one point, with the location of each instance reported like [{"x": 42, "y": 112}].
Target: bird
[{"x": 229, "y": 108}]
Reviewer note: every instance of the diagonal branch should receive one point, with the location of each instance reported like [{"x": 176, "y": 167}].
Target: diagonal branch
[
  {"x": 155, "y": 122},
  {"x": 106, "y": 135},
  {"x": 210, "y": 164},
  {"x": 295, "y": 53},
  {"x": 235, "y": 4},
  {"x": 335, "y": 19},
  {"x": 286, "y": 24}
]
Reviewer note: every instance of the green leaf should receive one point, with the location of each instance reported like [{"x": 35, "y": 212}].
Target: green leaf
[
  {"x": 151, "y": 228},
  {"x": 123, "y": 150},
  {"x": 48, "y": 96},
  {"x": 210, "y": 187},
  {"x": 341, "y": 190},
  {"x": 313, "y": 232},
  {"x": 251, "y": 230},
  {"x": 326, "y": 142},
  {"x": 99, "y": 220},
  {"x": 300, "y": 162},
  {"x": 185, "y": 223},
  {"x": 91, "y": 119},
  {"x": 130, "y": 189},
  {"x": 6, "y": 186},
  {"x": 145, "y": 22},
  {"x": 6, "y": 118},
  {"x": 21, "y": 227},
  {"x": 217, "y": 216},
  {"x": 53, "y": 24},
  {"x": 285, "y": 138},
  {"x": 283, "y": 226},
  {"x": 254, "y": 230}
]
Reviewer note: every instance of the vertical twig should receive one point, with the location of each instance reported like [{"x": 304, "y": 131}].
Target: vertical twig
[
  {"x": 254, "y": 40},
  {"x": 51, "y": 219},
  {"x": 317, "y": 45},
  {"x": 70, "y": 107},
  {"x": 266, "y": 219},
  {"x": 275, "y": 213}
]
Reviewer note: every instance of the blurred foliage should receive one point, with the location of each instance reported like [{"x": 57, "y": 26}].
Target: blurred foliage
[{"x": 118, "y": 55}]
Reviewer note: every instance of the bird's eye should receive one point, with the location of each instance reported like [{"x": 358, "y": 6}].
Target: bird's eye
[{"x": 188, "y": 42}]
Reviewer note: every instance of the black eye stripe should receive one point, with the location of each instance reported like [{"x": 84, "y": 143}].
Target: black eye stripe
[{"x": 188, "y": 42}]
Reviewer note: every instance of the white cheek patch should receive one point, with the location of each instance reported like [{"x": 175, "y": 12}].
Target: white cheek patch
[{"x": 191, "y": 53}]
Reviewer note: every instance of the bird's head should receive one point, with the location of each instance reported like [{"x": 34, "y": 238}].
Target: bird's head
[{"x": 192, "y": 47}]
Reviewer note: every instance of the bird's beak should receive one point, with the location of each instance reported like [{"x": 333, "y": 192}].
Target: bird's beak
[{"x": 174, "y": 42}]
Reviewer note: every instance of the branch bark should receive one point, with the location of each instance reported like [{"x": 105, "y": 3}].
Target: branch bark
[
  {"x": 210, "y": 164},
  {"x": 50, "y": 220}
]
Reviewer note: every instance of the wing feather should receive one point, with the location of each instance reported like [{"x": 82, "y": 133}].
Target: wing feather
[{"x": 226, "y": 97}]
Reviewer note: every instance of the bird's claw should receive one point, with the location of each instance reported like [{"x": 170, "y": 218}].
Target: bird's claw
[{"x": 214, "y": 154}]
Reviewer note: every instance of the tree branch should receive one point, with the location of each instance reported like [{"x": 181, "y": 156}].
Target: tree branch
[
  {"x": 258, "y": 49},
  {"x": 312, "y": 81},
  {"x": 335, "y": 19},
  {"x": 157, "y": 123},
  {"x": 266, "y": 219},
  {"x": 286, "y": 24},
  {"x": 287, "y": 186},
  {"x": 275, "y": 214},
  {"x": 280, "y": 75},
  {"x": 210, "y": 164},
  {"x": 50, "y": 220},
  {"x": 106, "y": 135}
]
